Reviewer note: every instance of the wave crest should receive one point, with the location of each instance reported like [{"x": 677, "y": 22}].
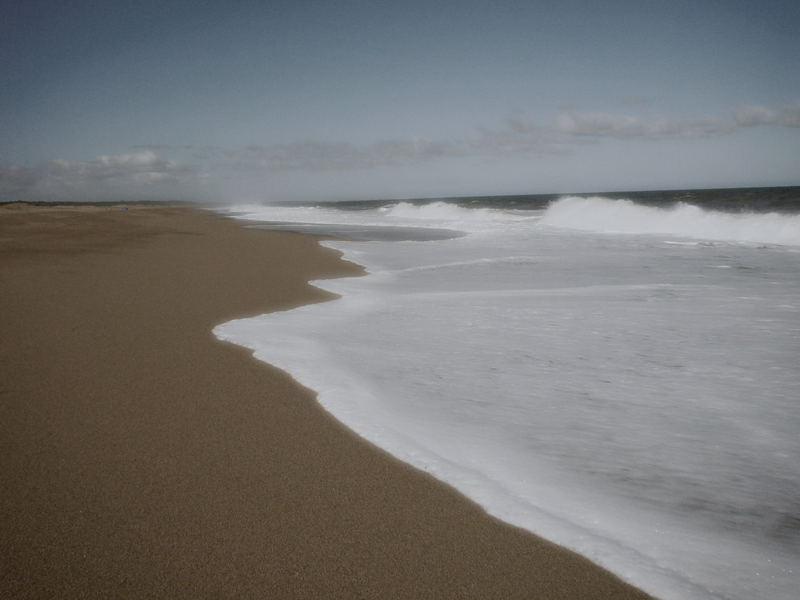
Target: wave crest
[
  {"x": 684, "y": 220},
  {"x": 438, "y": 211}
]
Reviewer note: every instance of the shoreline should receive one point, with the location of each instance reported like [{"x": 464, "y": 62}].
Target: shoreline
[{"x": 146, "y": 458}]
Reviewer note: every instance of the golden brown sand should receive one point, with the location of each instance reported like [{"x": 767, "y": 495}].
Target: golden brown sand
[{"x": 142, "y": 458}]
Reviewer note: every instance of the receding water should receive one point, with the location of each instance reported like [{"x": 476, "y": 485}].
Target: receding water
[{"x": 620, "y": 377}]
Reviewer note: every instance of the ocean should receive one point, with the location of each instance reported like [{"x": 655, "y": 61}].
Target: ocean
[{"x": 618, "y": 373}]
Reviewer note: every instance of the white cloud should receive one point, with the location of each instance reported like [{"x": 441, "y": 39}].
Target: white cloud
[
  {"x": 596, "y": 124},
  {"x": 790, "y": 115},
  {"x": 519, "y": 124},
  {"x": 146, "y": 173},
  {"x": 787, "y": 116},
  {"x": 518, "y": 137},
  {"x": 138, "y": 174},
  {"x": 754, "y": 115},
  {"x": 320, "y": 156},
  {"x": 634, "y": 127}
]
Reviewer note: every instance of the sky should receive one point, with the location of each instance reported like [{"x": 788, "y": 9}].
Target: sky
[{"x": 253, "y": 101}]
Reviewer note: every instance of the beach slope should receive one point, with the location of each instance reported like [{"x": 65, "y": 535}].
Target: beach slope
[{"x": 142, "y": 458}]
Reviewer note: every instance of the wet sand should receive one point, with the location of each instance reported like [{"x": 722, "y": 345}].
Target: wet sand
[{"x": 142, "y": 458}]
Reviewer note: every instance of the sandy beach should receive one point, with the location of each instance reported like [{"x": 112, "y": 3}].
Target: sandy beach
[{"x": 142, "y": 458}]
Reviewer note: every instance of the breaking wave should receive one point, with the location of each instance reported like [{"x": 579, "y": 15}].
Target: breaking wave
[
  {"x": 438, "y": 211},
  {"x": 683, "y": 220}
]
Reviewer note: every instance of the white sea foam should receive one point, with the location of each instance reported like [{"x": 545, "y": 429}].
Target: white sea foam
[
  {"x": 594, "y": 388},
  {"x": 401, "y": 214},
  {"x": 443, "y": 212},
  {"x": 685, "y": 220}
]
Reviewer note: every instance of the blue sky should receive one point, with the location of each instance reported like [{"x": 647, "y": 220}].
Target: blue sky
[{"x": 252, "y": 101}]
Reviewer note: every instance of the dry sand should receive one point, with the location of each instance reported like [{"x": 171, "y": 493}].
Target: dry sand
[{"x": 142, "y": 458}]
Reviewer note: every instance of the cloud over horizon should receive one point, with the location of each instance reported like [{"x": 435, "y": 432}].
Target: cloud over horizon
[
  {"x": 661, "y": 128},
  {"x": 787, "y": 116},
  {"x": 141, "y": 174},
  {"x": 146, "y": 174}
]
